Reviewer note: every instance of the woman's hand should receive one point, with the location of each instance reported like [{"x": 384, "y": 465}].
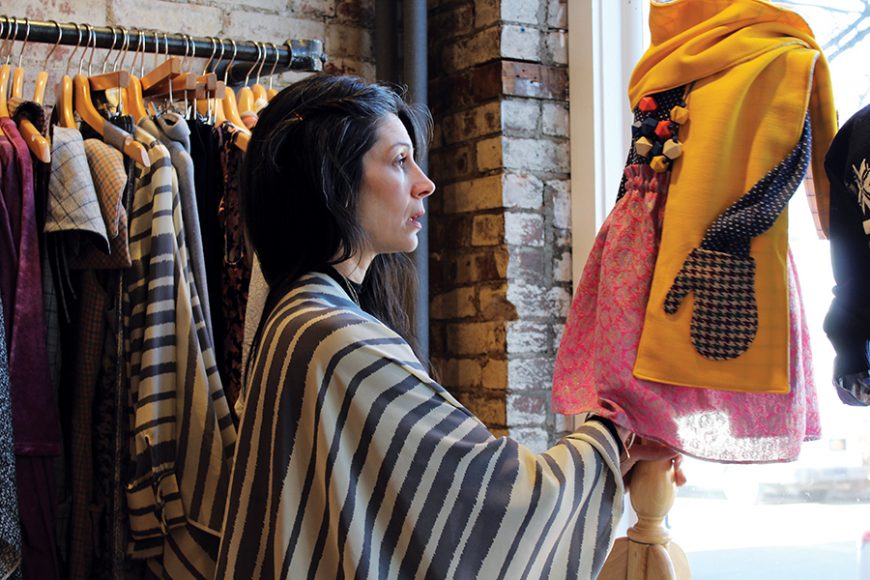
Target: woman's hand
[{"x": 643, "y": 450}]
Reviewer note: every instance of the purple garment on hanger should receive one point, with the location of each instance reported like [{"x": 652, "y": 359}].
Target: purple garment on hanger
[
  {"x": 8, "y": 244},
  {"x": 35, "y": 420}
]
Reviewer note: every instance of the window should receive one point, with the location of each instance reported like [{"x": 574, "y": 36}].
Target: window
[{"x": 805, "y": 520}]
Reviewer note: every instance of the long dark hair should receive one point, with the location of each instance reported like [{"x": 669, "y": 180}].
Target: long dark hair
[{"x": 300, "y": 187}]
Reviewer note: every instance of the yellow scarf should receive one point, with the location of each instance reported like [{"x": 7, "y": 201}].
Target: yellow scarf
[{"x": 756, "y": 70}]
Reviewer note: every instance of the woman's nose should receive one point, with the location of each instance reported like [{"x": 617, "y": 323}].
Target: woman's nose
[{"x": 424, "y": 187}]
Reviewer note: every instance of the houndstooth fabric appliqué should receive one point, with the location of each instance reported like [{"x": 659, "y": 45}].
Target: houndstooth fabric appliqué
[
  {"x": 721, "y": 272},
  {"x": 725, "y": 317}
]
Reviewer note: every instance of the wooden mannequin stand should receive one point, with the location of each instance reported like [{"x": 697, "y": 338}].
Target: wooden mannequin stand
[{"x": 648, "y": 553}]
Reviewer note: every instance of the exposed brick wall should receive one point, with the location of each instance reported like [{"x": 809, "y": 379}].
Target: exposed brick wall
[
  {"x": 345, "y": 26},
  {"x": 500, "y": 239}
]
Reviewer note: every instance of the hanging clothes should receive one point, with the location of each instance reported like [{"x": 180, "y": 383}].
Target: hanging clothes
[
  {"x": 848, "y": 321},
  {"x": 205, "y": 150},
  {"x": 182, "y": 431},
  {"x": 173, "y": 132},
  {"x": 236, "y": 271},
  {"x": 10, "y": 529},
  {"x": 35, "y": 419}
]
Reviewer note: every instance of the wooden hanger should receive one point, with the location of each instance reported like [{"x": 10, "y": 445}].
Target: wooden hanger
[
  {"x": 246, "y": 93},
  {"x": 231, "y": 109},
  {"x": 84, "y": 106},
  {"x": 37, "y": 144},
  {"x": 260, "y": 95},
  {"x": 5, "y": 71}
]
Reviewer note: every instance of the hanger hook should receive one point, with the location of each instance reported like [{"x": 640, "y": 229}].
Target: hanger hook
[
  {"x": 10, "y": 40},
  {"x": 53, "y": 48},
  {"x": 93, "y": 38},
  {"x": 140, "y": 52},
  {"x": 210, "y": 58},
  {"x": 122, "y": 53},
  {"x": 78, "y": 44},
  {"x": 264, "y": 55},
  {"x": 232, "y": 60},
  {"x": 111, "y": 50},
  {"x": 274, "y": 64},
  {"x": 253, "y": 66},
  {"x": 23, "y": 44},
  {"x": 220, "y": 59}
]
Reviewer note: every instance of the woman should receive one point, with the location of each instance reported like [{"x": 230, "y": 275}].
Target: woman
[{"x": 351, "y": 460}]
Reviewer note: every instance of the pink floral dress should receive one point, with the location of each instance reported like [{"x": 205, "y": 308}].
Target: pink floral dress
[{"x": 594, "y": 365}]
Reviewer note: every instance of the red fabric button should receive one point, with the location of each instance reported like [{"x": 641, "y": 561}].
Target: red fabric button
[
  {"x": 647, "y": 104},
  {"x": 663, "y": 129}
]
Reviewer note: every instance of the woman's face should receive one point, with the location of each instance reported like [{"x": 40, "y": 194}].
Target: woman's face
[{"x": 392, "y": 192}]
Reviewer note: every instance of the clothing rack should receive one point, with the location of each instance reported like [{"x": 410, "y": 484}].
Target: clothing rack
[{"x": 236, "y": 58}]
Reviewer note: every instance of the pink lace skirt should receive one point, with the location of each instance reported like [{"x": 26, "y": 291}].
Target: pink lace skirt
[{"x": 599, "y": 347}]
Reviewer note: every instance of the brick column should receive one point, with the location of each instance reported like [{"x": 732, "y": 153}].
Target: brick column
[{"x": 500, "y": 239}]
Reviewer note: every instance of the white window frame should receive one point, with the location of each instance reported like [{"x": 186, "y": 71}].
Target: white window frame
[{"x": 605, "y": 41}]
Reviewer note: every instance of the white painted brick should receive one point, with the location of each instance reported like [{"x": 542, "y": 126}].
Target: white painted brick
[
  {"x": 530, "y": 300},
  {"x": 557, "y": 47},
  {"x": 530, "y": 374},
  {"x": 489, "y": 154},
  {"x": 524, "y": 229},
  {"x": 557, "y": 13},
  {"x": 554, "y": 119},
  {"x": 562, "y": 269},
  {"x": 195, "y": 19},
  {"x": 536, "y": 439},
  {"x": 79, "y": 11},
  {"x": 524, "y": 409},
  {"x": 521, "y": 43},
  {"x": 558, "y": 193},
  {"x": 523, "y": 11},
  {"x": 520, "y": 114},
  {"x": 527, "y": 337},
  {"x": 522, "y": 190},
  {"x": 343, "y": 40},
  {"x": 269, "y": 6},
  {"x": 536, "y": 155},
  {"x": 272, "y": 28}
]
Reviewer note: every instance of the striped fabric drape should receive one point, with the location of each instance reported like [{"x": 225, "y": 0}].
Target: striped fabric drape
[
  {"x": 182, "y": 431},
  {"x": 352, "y": 462}
]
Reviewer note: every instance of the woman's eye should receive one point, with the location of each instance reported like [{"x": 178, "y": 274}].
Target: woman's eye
[{"x": 400, "y": 161}]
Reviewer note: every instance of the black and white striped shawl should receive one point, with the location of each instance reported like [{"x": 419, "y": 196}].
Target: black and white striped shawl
[{"x": 352, "y": 462}]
